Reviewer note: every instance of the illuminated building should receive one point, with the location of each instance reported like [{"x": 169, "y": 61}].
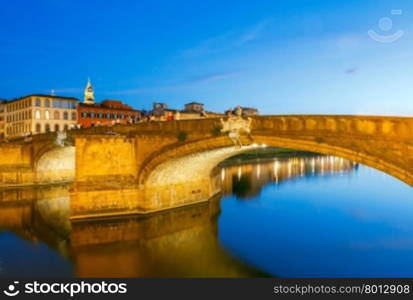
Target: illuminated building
[
  {"x": 39, "y": 113},
  {"x": 108, "y": 112},
  {"x": 2, "y": 121}
]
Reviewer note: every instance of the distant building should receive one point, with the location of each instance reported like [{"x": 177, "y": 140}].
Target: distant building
[
  {"x": 2, "y": 121},
  {"x": 39, "y": 113},
  {"x": 160, "y": 109},
  {"x": 108, "y": 112},
  {"x": 194, "y": 107},
  {"x": 193, "y": 110},
  {"x": 159, "y": 106},
  {"x": 249, "y": 111}
]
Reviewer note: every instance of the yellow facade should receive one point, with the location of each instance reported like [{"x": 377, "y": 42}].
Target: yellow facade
[
  {"x": 2, "y": 105},
  {"x": 36, "y": 114}
]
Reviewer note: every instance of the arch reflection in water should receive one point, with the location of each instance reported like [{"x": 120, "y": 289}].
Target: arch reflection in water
[
  {"x": 177, "y": 243},
  {"x": 245, "y": 180}
]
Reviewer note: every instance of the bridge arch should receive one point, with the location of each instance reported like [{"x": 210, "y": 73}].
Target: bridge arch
[
  {"x": 184, "y": 174},
  {"x": 192, "y": 160},
  {"x": 55, "y": 165}
]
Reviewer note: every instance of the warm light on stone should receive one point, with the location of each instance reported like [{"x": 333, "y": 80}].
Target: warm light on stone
[{"x": 57, "y": 165}]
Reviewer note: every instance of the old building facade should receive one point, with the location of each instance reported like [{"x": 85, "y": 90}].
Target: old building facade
[
  {"x": 2, "y": 121},
  {"x": 194, "y": 107},
  {"x": 192, "y": 110},
  {"x": 249, "y": 111},
  {"x": 108, "y": 112},
  {"x": 34, "y": 114}
]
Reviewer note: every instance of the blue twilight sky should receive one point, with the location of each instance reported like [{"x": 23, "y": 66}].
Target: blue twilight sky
[{"x": 285, "y": 56}]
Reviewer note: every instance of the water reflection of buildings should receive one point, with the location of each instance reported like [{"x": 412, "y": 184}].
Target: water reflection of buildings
[
  {"x": 247, "y": 179},
  {"x": 176, "y": 243}
]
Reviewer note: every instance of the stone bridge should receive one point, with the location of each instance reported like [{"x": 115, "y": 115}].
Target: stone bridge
[{"x": 159, "y": 165}]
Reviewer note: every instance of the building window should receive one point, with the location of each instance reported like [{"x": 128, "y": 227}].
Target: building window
[
  {"x": 56, "y": 103},
  {"x": 56, "y": 127},
  {"x": 107, "y": 116},
  {"x": 47, "y": 103},
  {"x": 47, "y": 128},
  {"x": 66, "y": 127},
  {"x": 47, "y": 115},
  {"x": 84, "y": 114},
  {"x": 100, "y": 115},
  {"x": 74, "y": 116},
  {"x": 37, "y": 115},
  {"x": 38, "y": 102},
  {"x": 38, "y": 128},
  {"x": 65, "y": 116},
  {"x": 92, "y": 114},
  {"x": 56, "y": 115},
  {"x": 115, "y": 116}
]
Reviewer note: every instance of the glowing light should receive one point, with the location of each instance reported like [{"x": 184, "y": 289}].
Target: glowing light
[
  {"x": 222, "y": 174},
  {"x": 322, "y": 166},
  {"x": 302, "y": 167},
  {"x": 289, "y": 168}
]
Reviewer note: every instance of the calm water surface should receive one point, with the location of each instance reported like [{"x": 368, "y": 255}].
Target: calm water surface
[{"x": 303, "y": 216}]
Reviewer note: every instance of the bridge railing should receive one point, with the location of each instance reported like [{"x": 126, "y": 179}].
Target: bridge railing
[
  {"x": 384, "y": 128},
  {"x": 395, "y": 128}
]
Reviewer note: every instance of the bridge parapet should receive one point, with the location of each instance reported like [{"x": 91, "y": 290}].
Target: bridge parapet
[{"x": 394, "y": 128}]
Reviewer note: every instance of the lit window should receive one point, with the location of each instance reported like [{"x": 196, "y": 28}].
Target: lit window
[
  {"x": 47, "y": 115},
  {"x": 37, "y": 115}
]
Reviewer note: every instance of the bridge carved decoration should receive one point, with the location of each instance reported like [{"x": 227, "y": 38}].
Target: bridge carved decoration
[{"x": 170, "y": 171}]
